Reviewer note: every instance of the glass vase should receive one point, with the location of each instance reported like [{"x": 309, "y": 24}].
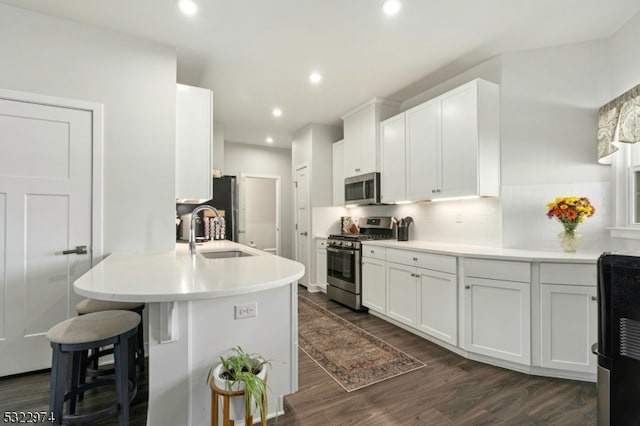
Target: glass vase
[{"x": 569, "y": 241}]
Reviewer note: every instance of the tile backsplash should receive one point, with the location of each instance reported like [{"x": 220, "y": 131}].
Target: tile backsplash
[
  {"x": 525, "y": 224},
  {"x": 516, "y": 220}
]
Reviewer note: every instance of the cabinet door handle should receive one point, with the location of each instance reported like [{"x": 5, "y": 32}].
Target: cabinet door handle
[
  {"x": 594, "y": 298},
  {"x": 415, "y": 259},
  {"x": 372, "y": 251},
  {"x": 77, "y": 250},
  {"x": 433, "y": 191},
  {"x": 357, "y": 170},
  {"x": 467, "y": 287}
]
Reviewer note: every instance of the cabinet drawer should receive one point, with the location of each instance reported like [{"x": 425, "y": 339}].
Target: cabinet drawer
[
  {"x": 374, "y": 252},
  {"x": 436, "y": 262},
  {"x": 498, "y": 270},
  {"x": 568, "y": 273}
]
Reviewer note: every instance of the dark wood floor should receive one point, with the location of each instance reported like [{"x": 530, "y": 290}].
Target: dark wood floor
[{"x": 451, "y": 390}]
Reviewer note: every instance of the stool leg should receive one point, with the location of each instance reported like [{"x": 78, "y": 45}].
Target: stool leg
[
  {"x": 132, "y": 366},
  {"x": 59, "y": 371},
  {"x": 140, "y": 348},
  {"x": 121, "y": 358},
  {"x": 76, "y": 373},
  {"x": 84, "y": 363}
]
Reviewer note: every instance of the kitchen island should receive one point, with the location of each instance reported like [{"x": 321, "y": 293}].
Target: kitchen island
[{"x": 199, "y": 307}]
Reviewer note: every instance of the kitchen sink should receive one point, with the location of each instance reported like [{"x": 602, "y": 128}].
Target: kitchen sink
[{"x": 224, "y": 254}]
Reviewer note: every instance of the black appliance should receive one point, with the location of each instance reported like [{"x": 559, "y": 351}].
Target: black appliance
[
  {"x": 363, "y": 189},
  {"x": 224, "y": 199},
  {"x": 618, "y": 346},
  {"x": 344, "y": 253}
]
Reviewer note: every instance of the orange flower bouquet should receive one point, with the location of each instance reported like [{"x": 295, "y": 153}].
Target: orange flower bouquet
[{"x": 570, "y": 211}]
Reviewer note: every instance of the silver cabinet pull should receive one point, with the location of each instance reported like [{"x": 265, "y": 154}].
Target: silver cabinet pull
[
  {"x": 467, "y": 287},
  {"x": 415, "y": 259},
  {"x": 77, "y": 250},
  {"x": 304, "y": 234}
]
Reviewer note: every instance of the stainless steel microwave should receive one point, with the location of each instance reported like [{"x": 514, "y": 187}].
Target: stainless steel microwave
[{"x": 363, "y": 189}]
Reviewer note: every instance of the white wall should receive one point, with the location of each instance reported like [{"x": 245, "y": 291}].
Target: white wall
[
  {"x": 624, "y": 66},
  {"x": 549, "y": 102},
  {"x": 243, "y": 158},
  {"x": 135, "y": 81}
]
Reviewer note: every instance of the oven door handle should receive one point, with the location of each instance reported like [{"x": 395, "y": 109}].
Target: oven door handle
[{"x": 332, "y": 250}]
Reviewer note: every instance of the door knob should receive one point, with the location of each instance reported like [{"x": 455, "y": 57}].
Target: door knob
[
  {"x": 304, "y": 234},
  {"x": 77, "y": 250}
]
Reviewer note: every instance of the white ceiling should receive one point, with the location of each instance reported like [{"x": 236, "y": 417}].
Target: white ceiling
[{"x": 257, "y": 54}]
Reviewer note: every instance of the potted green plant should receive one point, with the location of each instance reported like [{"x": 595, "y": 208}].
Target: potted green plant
[{"x": 246, "y": 372}]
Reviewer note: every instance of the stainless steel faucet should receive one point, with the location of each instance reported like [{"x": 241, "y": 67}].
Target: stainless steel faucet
[{"x": 192, "y": 225}]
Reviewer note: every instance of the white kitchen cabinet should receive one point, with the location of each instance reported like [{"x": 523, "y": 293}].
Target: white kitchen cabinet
[
  {"x": 438, "y": 314},
  {"x": 422, "y": 292},
  {"x": 451, "y": 146},
  {"x": 497, "y": 312},
  {"x": 423, "y": 157},
  {"x": 321, "y": 262},
  {"x": 361, "y": 136},
  {"x": 402, "y": 293},
  {"x": 194, "y": 139},
  {"x": 568, "y": 316},
  {"x": 392, "y": 157},
  {"x": 374, "y": 284},
  {"x": 338, "y": 173}
]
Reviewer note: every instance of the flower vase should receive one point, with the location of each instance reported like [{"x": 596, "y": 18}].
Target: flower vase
[{"x": 569, "y": 240}]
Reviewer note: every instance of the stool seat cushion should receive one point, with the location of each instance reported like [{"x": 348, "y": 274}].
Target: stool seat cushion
[
  {"x": 93, "y": 327},
  {"x": 88, "y": 306}
]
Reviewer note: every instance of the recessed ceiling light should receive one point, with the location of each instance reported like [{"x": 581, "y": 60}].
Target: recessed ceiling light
[
  {"x": 315, "y": 77},
  {"x": 277, "y": 112},
  {"x": 188, "y": 7},
  {"x": 269, "y": 139},
  {"x": 391, "y": 7}
]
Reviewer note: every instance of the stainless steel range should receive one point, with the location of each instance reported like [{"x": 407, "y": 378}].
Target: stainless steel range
[{"x": 344, "y": 268}]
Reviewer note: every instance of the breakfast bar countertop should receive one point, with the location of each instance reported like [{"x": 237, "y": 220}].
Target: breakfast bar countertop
[{"x": 176, "y": 275}]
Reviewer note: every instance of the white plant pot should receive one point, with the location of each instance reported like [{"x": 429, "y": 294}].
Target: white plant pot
[{"x": 236, "y": 403}]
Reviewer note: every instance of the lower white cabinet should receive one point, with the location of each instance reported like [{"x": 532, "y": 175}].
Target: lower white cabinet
[
  {"x": 321, "y": 262},
  {"x": 374, "y": 284},
  {"x": 438, "y": 316},
  {"x": 497, "y": 311},
  {"x": 402, "y": 293},
  {"x": 568, "y": 317}
]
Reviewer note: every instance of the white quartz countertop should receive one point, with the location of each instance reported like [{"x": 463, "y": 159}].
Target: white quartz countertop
[
  {"x": 176, "y": 275},
  {"x": 490, "y": 252}
]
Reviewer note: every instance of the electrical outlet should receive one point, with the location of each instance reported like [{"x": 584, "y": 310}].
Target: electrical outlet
[{"x": 246, "y": 311}]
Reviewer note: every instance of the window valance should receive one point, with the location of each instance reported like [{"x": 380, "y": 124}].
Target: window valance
[{"x": 621, "y": 114}]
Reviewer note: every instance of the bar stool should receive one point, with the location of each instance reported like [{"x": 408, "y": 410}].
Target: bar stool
[
  {"x": 216, "y": 393},
  {"x": 69, "y": 339},
  {"x": 88, "y": 306}
]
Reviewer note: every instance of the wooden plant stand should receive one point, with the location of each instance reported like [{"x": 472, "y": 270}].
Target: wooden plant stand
[{"x": 216, "y": 392}]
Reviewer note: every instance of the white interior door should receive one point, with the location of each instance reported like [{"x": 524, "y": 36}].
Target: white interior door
[
  {"x": 302, "y": 221},
  {"x": 45, "y": 208},
  {"x": 259, "y": 206}
]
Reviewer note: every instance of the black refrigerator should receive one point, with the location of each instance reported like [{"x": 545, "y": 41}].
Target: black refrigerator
[
  {"x": 618, "y": 346},
  {"x": 224, "y": 199}
]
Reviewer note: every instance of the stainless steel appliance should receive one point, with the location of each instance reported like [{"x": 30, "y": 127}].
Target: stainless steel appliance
[
  {"x": 363, "y": 189},
  {"x": 618, "y": 346},
  {"x": 344, "y": 251},
  {"x": 224, "y": 199}
]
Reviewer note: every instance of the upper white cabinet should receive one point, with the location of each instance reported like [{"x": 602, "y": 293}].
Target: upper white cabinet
[
  {"x": 194, "y": 137},
  {"x": 451, "y": 146},
  {"x": 338, "y": 173},
  {"x": 361, "y": 136},
  {"x": 392, "y": 149}
]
